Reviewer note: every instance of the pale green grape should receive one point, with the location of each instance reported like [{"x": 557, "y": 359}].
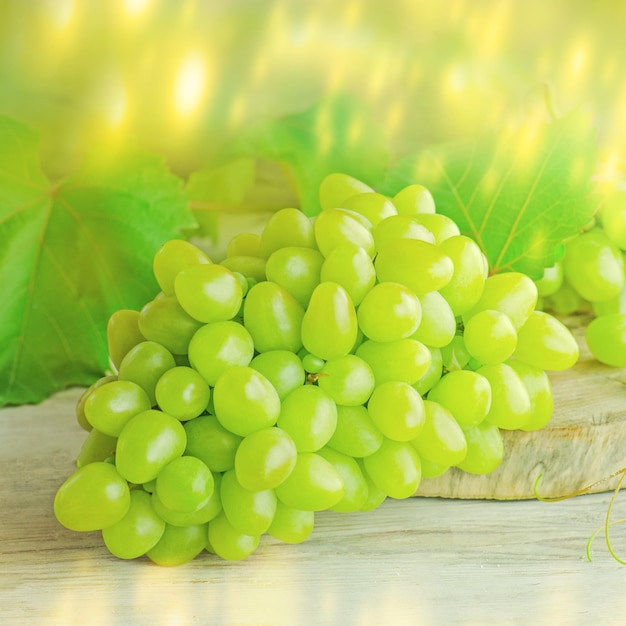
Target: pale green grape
[
  {"x": 356, "y": 434},
  {"x": 216, "y": 347},
  {"x": 244, "y": 244},
  {"x": 414, "y": 200},
  {"x": 355, "y": 491},
  {"x": 606, "y": 338},
  {"x": 419, "y": 265},
  {"x": 282, "y": 368},
  {"x": 374, "y": 206},
  {"x": 182, "y": 393},
  {"x": 138, "y": 531},
  {"x": 397, "y": 410},
  {"x": 405, "y": 360},
  {"x": 550, "y": 281},
  {"x": 172, "y": 257},
  {"x": 432, "y": 470},
  {"x": 539, "y": 391},
  {"x": 144, "y": 365},
  {"x": 335, "y": 227},
  {"x": 110, "y": 407},
  {"x": 441, "y": 440},
  {"x": 441, "y": 226},
  {"x": 466, "y": 394},
  {"x": 329, "y": 326},
  {"x": 81, "y": 418},
  {"x": 375, "y": 495},
  {"x": 336, "y": 188},
  {"x": 313, "y": 485},
  {"x": 609, "y": 307},
  {"x": 311, "y": 363},
  {"x": 123, "y": 334},
  {"x": 388, "y": 312},
  {"x": 273, "y": 318},
  {"x": 178, "y": 545},
  {"x": 229, "y": 543},
  {"x": 546, "y": 343},
  {"x": 286, "y": 227},
  {"x": 213, "y": 444},
  {"x": 185, "y": 484},
  {"x": 291, "y": 525},
  {"x": 490, "y": 336},
  {"x": 351, "y": 267},
  {"x": 438, "y": 324},
  {"x": 510, "y": 404},
  {"x": 297, "y": 270},
  {"x": 432, "y": 374},
  {"x": 96, "y": 447},
  {"x": 94, "y": 497},
  {"x": 147, "y": 443},
  {"x": 400, "y": 227},
  {"x": 252, "y": 267},
  {"x": 309, "y": 415},
  {"x": 395, "y": 469},
  {"x": 613, "y": 216},
  {"x": 485, "y": 449},
  {"x": 347, "y": 380},
  {"x": 565, "y": 301},
  {"x": 455, "y": 355}
]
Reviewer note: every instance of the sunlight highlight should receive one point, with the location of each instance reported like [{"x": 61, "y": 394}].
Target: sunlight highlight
[
  {"x": 134, "y": 8},
  {"x": 190, "y": 84}
]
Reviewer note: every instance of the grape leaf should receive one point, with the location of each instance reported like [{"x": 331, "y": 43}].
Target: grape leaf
[
  {"x": 338, "y": 134},
  {"x": 519, "y": 193},
  {"x": 71, "y": 253}
]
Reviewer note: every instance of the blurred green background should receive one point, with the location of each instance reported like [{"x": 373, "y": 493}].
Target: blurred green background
[{"x": 182, "y": 77}]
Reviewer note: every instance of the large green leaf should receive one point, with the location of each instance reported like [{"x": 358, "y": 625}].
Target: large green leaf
[
  {"x": 518, "y": 193},
  {"x": 71, "y": 254}
]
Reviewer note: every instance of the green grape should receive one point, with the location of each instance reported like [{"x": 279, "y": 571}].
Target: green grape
[
  {"x": 251, "y": 267},
  {"x": 441, "y": 226},
  {"x": 490, "y": 336},
  {"x": 172, "y": 257},
  {"x": 229, "y": 543},
  {"x": 432, "y": 470},
  {"x": 546, "y": 343},
  {"x": 81, "y": 418},
  {"x": 291, "y": 525},
  {"x": 150, "y": 486},
  {"x": 432, "y": 374},
  {"x": 594, "y": 266},
  {"x": 466, "y": 394},
  {"x": 329, "y": 325},
  {"x": 273, "y": 318},
  {"x": 511, "y": 293},
  {"x": 96, "y": 447},
  {"x": 375, "y": 495},
  {"x": 397, "y": 410},
  {"x": 297, "y": 270},
  {"x": 265, "y": 458},
  {"x": 613, "y": 217},
  {"x": 313, "y": 485},
  {"x": 144, "y": 365},
  {"x": 335, "y": 227},
  {"x": 467, "y": 283},
  {"x": 245, "y": 401},
  {"x": 606, "y": 338},
  {"x": 356, "y": 434},
  {"x": 405, "y": 360},
  {"x": 178, "y": 545},
  {"x": 347, "y": 380},
  {"x": 244, "y": 244},
  {"x": 209, "y": 441},
  {"x": 609, "y": 307},
  {"x": 249, "y": 512},
  {"x": 203, "y": 515},
  {"x": 441, "y": 441},
  {"x": 395, "y": 469},
  {"x": 185, "y": 484},
  {"x": 438, "y": 324},
  {"x": 282, "y": 368},
  {"x": 110, "y": 407},
  {"x": 309, "y": 416},
  {"x": 216, "y": 347},
  {"x": 414, "y": 200},
  {"x": 336, "y": 188},
  {"x": 138, "y": 531},
  {"x": 510, "y": 403},
  {"x": 485, "y": 449},
  {"x": 418, "y": 265},
  {"x": 208, "y": 293},
  {"x": 351, "y": 267},
  {"x": 550, "y": 281},
  {"x": 388, "y": 312},
  {"x": 400, "y": 227},
  {"x": 94, "y": 497},
  {"x": 565, "y": 301},
  {"x": 455, "y": 356},
  {"x": 286, "y": 227},
  {"x": 123, "y": 334},
  {"x": 149, "y": 441},
  {"x": 311, "y": 363},
  {"x": 164, "y": 321},
  {"x": 374, "y": 206},
  {"x": 539, "y": 391},
  {"x": 356, "y": 491},
  {"x": 182, "y": 393}
]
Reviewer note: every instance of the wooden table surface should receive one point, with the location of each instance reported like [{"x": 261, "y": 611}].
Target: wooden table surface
[{"x": 417, "y": 561}]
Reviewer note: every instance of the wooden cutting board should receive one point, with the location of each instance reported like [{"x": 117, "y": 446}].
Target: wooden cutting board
[{"x": 584, "y": 442}]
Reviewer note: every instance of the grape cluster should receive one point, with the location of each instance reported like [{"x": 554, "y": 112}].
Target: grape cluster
[
  {"x": 328, "y": 363},
  {"x": 591, "y": 278}
]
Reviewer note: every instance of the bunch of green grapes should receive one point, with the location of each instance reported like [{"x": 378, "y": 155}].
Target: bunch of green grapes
[
  {"x": 591, "y": 278},
  {"x": 326, "y": 364}
]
